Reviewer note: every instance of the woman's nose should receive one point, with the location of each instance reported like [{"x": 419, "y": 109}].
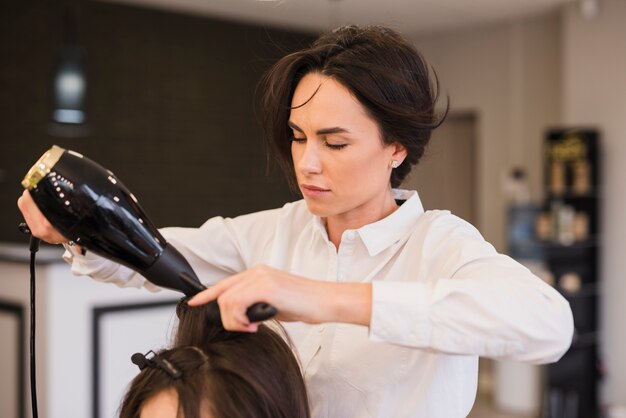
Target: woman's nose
[{"x": 309, "y": 161}]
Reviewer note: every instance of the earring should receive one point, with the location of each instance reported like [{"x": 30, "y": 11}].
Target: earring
[{"x": 395, "y": 164}]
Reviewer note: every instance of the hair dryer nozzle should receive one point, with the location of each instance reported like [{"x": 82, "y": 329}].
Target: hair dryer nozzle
[{"x": 172, "y": 271}]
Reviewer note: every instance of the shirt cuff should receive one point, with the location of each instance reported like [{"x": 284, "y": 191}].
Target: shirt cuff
[
  {"x": 400, "y": 313},
  {"x": 70, "y": 253},
  {"x": 82, "y": 264}
]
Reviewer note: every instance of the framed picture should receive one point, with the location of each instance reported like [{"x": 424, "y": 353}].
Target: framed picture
[
  {"x": 118, "y": 332},
  {"x": 12, "y": 361}
]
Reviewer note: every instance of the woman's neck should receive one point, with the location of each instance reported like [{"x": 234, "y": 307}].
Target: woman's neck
[{"x": 366, "y": 214}]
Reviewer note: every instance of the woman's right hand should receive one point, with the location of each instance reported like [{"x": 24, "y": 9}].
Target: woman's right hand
[
  {"x": 296, "y": 298},
  {"x": 37, "y": 222}
]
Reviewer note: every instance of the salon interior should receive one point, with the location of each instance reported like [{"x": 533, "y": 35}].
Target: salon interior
[{"x": 533, "y": 153}]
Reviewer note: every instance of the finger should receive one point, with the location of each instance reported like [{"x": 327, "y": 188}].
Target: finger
[
  {"x": 204, "y": 297},
  {"x": 254, "y": 327},
  {"x": 37, "y": 222},
  {"x": 233, "y": 307},
  {"x": 238, "y": 321},
  {"x": 23, "y": 205},
  {"x": 214, "y": 291},
  {"x": 244, "y": 292},
  {"x": 238, "y": 327},
  {"x": 234, "y": 296},
  {"x": 30, "y": 212},
  {"x": 236, "y": 300}
]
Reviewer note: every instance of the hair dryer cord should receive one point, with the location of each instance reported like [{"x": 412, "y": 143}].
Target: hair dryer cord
[{"x": 33, "y": 247}]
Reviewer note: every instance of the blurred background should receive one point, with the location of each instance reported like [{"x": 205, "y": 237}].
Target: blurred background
[{"x": 162, "y": 92}]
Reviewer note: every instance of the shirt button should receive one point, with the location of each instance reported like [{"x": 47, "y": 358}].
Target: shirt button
[
  {"x": 320, "y": 329},
  {"x": 349, "y": 235}
]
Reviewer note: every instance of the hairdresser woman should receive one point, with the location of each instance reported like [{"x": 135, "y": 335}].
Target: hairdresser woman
[{"x": 389, "y": 306}]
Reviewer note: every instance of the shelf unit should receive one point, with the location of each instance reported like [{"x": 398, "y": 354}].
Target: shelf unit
[{"x": 568, "y": 233}]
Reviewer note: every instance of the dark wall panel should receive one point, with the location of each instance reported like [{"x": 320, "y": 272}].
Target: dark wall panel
[{"x": 171, "y": 107}]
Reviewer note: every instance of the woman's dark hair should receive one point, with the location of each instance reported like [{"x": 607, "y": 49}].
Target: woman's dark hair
[
  {"x": 227, "y": 374},
  {"x": 387, "y": 75}
]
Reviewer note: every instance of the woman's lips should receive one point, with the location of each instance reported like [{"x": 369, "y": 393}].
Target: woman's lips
[{"x": 313, "y": 191}]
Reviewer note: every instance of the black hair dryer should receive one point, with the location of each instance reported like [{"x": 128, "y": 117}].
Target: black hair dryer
[{"x": 90, "y": 206}]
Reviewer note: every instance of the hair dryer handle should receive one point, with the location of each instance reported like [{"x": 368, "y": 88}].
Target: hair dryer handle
[{"x": 256, "y": 313}]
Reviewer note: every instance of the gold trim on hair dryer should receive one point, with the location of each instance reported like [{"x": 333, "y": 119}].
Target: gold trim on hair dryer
[{"x": 42, "y": 167}]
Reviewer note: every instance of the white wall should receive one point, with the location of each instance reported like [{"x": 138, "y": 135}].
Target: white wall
[
  {"x": 509, "y": 76},
  {"x": 594, "y": 93}
]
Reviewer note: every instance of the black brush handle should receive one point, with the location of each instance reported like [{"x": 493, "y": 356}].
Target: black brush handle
[{"x": 258, "y": 312}]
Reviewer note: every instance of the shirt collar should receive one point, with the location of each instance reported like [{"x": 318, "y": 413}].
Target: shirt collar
[{"x": 382, "y": 234}]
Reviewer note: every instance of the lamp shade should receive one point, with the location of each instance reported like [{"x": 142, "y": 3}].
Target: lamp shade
[{"x": 70, "y": 87}]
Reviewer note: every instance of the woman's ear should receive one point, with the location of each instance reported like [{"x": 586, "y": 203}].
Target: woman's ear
[{"x": 399, "y": 152}]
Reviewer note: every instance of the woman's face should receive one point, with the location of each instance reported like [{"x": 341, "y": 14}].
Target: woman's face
[
  {"x": 162, "y": 405},
  {"x": 341, "y": 164},
  {"x": 165, "y": 405}
]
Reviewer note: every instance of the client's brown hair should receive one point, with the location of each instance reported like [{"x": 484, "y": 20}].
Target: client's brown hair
[{"x": 225, "y": 374}]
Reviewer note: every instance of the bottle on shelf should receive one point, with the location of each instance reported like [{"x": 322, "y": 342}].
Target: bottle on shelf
[{"x": 581, "y": 184}]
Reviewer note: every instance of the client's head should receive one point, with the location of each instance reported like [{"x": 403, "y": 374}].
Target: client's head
[{"x": 213, "y": 373}]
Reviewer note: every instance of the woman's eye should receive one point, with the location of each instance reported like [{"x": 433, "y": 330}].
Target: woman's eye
[
  {"x": 298, "y": 140},
  {"x": 336, "y": 146}
]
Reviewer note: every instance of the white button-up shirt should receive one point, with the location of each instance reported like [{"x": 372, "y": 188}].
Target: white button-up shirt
[{"x": 442, "y": 297}]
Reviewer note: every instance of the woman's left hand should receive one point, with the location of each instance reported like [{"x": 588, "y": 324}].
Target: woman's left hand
[{"x": 296, "y": 298}]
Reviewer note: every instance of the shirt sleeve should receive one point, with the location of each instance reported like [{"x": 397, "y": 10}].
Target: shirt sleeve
[
  {"x": 473, "y": 302},
  {"x": 219, "y": 248}
]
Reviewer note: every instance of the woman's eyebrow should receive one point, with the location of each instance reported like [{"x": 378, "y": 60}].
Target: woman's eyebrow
[
  {"x": 324, "y": 131},
  {"x": 294, "y": 126}
]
